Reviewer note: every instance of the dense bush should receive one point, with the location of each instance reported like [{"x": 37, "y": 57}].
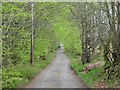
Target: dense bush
[
  {"x": 20, "y": 75},
  {"x": 11, "y": 78}
]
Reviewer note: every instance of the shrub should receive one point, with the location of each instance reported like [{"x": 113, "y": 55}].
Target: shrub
[
  {"x": 28, "y": 72},
  {"x": 10, "y": 78}
]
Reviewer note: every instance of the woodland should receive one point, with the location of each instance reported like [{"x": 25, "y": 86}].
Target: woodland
[{"x": 33, "y": 31}]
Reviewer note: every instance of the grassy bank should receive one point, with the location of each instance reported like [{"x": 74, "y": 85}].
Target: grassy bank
[
  {"x": 0, "y": 78},
  {"x": 21, "y": 74},
  {"x": 90, "y": 78}
]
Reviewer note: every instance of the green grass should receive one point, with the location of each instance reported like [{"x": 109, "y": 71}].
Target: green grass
[
  {"x": 0, "y": 78},
  {"x": 89, "y": 78},
  {"x": 20, "y": 75},
  {"x": 94, "y": 76}
]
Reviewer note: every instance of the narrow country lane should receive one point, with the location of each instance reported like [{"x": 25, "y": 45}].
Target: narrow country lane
[{"x": 57, "y": 75}]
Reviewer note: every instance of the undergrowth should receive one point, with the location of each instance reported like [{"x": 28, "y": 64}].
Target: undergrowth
[
  {"x": 90, "y": 78},
  {"x": 20, "y": 75}
]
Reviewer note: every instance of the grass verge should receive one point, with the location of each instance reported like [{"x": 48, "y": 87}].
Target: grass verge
[
  {"x": 90, "y": 78},
  {"x": 20, "y": 75}
]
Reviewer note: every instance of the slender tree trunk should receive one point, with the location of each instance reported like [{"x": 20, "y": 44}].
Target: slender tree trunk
[{"x": 32, "y": 39}]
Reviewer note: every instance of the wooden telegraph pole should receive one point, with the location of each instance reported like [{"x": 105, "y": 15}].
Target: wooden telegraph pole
[{"x": 32, "y": 38}]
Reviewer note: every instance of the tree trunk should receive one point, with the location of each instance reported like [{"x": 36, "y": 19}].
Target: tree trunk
[{"x": 32, "y": 39}]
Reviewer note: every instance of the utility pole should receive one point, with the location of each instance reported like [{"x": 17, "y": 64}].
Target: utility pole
[
  {"x": 32, "y": 38},
  {"x": 1, "y": 37}
]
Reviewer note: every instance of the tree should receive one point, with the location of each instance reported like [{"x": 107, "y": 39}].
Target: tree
[
  {"x": 32, "y": 37},
  {"x": 100, "y": 31}
]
